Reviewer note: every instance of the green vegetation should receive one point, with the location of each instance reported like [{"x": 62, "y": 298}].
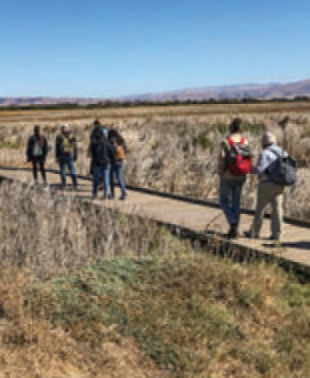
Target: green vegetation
[
  {"x": 194, "y": 315},
  {"x": 253, "y": 128},
  {"x": 10, "y": 145},
  {"x": 203, "y": 140}
]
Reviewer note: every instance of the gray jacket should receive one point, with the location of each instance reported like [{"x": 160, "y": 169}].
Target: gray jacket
[{"x": 266, "y": 158}]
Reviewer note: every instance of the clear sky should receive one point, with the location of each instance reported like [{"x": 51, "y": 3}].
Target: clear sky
[{"x": 109, "y": 48}]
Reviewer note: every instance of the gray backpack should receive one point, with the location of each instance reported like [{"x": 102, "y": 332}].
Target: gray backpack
[{"x": 282, "y": 171}]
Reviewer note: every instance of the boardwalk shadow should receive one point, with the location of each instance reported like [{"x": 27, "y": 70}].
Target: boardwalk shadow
[{"x": 298, "y": 245}]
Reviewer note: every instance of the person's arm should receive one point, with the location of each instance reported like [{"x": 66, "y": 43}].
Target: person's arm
[
  {"x": 58, "y": 147},
  {"x": 261, "y": 165},
  {"x": 112, "y": 152},
  {"x": 75, "y": 149},
  {"x": 89, "y": 150},
  {"x": 221, "y": 164},
  {"x": 45, "y": 147},
  {"x": 29, "y": 149}
]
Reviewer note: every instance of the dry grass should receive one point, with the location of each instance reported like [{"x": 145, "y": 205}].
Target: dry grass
[
  {"x": 89, "y": 293},
  {"x": 174, "y": 148},
  {"x": 54, "y": 234}
]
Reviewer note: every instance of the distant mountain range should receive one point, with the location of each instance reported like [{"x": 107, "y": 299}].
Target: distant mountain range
[{"x": 259, "y": 91}]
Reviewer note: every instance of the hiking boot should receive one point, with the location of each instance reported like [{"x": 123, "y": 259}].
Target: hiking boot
[
  {"x": 233, "y": 232},
  {"x": 74, "y": 182},
  {"x": 63, "y": 183},
  {"x": 249, "y": 235},
  {"x": 123, "y": 197}
]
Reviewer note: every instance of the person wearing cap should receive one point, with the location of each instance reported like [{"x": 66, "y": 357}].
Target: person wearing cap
[
  {"x": 268, "y": 193},
  {"x": 66, "y": 154},
  {"x": 37, "y": 150}
]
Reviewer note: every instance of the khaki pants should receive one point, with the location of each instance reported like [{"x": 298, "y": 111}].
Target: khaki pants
[{"x": 269, "y": 193}]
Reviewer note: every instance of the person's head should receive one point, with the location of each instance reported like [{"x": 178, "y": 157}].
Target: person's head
[
  {"x": 113, "y": 140},
  {"x": 37, "y": 130},
  {"x": 97, "y": 121},
  {"x": 268, "y": 139},
  {"x": 112, "y": 133},
  {"x": 235, "y": 126},
  {"x": 65, "y": 129}
]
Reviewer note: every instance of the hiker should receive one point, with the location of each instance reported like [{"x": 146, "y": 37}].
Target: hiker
[
  {"x": 102, "y": 154},
  {"x": 98, "y": 128},
  {"x": 233, "y": 164},
  {"x": 66, "y": 154},
  {"x": 118, "y": 142},
  {"x": 268, "y": 191},
  {"x": 37, "y": 150},
  {"x": 97, "y": 132}
]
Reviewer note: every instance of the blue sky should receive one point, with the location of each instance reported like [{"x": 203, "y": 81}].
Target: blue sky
[{"x": 108, "y": 48}]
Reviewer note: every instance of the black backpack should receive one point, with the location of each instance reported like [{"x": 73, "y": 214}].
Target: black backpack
[{"x": 282, "y": 171}]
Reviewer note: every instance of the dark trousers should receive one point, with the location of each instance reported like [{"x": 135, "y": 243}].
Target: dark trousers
[{"x": 35, "y": 163}]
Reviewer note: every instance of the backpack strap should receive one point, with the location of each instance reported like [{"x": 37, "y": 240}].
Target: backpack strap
[
  {"x": 278, "y": 154},
  {"x": 231, "y": 142}
]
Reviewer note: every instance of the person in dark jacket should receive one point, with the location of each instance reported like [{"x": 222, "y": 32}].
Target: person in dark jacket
[
  {"x": 102, "y": 155},
  {"x": 37, "y": 150},
  {"x": 97, "y": 132},
  {"x": 66, "y": 154}
]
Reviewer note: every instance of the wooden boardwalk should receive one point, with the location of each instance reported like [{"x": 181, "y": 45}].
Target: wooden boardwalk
[{"x": 294, "y": 247}]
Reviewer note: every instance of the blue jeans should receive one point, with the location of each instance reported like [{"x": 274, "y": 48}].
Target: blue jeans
[
  {"x": 101, "y": 173},
  {"x": 230, "y": 196},
  {"x": 116, "y": 171},
  {"x": 67, "y": 162}
]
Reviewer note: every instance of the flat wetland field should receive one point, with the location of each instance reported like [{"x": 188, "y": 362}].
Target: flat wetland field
[
  {"x": 88, "y": 294},
  {"x": 175, "y": 110}
]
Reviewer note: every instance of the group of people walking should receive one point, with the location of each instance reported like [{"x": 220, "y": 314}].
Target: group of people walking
[
  {"x": 275, "y": 170},
  {"x": 107, "y": 150}
]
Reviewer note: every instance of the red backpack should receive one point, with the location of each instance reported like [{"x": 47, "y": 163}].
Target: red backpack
[{"x": 240, "y": 158}]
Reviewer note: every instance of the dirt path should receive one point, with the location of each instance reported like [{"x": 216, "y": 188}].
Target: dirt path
[{"x": 296, "y": 239}]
